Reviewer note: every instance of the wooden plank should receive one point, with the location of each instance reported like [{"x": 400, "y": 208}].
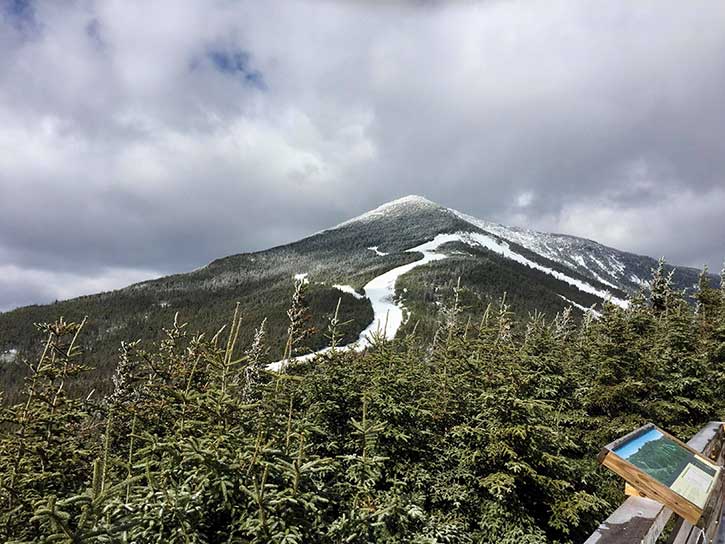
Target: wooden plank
[
  {"x": 682, "y": 532},
  {"x": 720, "y": 536},
  {"x": 640, "y": 520},
  {"x": 637, "y": 520},
  {"x": 713, "y": 511},
  {"x": 632, "y": 491}
]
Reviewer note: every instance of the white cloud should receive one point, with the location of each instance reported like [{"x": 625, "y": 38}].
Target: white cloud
[
  {"x": 523, "y": 200},
  {"x": 678, "y": 227},
  {"x": 122, "y": 146},
  {"x": 48, "y": 286}
]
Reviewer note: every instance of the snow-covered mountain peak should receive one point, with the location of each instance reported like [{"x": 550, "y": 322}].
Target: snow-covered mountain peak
[
  {"x": 404, "y": 205},
  {"x": 410, "y": 200}
]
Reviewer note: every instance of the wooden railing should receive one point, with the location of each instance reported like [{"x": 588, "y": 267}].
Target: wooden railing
[{"x": 639, "y": 520}]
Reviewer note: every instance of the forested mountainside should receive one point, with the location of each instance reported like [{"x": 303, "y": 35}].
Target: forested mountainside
[
  {"x": 486, "y": 431},
  {"x": 536, "y": 271}
]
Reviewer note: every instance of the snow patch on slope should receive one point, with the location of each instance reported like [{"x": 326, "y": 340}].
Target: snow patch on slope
[
  {"x": 575, "y": 253},
  {"x": 9, "y": 356},
  {"x": 581, "y": 307},
  {"x": 505, "y": 250},
  {"x": 381, "y": 292},
  {"x": 377, "y": 251},
  {"x": 349, "y": 290}
]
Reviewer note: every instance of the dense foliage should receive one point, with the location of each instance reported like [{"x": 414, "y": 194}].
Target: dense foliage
[{"x": 488, "y": 432}]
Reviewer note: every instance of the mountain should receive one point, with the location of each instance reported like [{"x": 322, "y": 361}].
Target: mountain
[{"x": 536, "y": 271}]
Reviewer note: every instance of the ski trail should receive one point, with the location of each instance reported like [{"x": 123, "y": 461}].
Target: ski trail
[{"x": 387, "y": 313}]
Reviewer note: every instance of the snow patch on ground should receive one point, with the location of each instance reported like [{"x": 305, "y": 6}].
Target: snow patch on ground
[
  {"x": 582, "y": 262},
  {"x": 603, "y": 267},
  {"x": 302, "y": 277},
  {"x": 377, "y": 251},
  {"x": 9, "y": 356},
  {"x": 601, "y": 279},
  {"x": 600, "y": 264},
  {"x": 581, "y": 307},
  {"x": 279, "y": 365},
  {"x": 350, "y": 290}
]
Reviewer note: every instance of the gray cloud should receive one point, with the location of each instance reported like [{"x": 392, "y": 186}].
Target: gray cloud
[{"x": 138, "y": 139}]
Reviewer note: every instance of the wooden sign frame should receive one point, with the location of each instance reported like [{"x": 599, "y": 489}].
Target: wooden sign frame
[{"x": 650, "y": 487}]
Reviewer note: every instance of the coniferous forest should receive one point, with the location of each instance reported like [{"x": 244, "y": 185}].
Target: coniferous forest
[{"x": 486, "y": 430}]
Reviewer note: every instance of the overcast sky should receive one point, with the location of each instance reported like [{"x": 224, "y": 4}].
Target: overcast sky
[{"x": 143, "y": 138}]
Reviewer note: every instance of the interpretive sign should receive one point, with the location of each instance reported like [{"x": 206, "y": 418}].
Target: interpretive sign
[{"x": 661, "y": 467}]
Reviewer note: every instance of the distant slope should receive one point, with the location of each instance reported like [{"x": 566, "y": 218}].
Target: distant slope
[
  {"x": 618, "y": 269},
  {"x": 536, "y": 271}
]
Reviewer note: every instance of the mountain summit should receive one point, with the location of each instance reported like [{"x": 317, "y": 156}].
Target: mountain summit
[
  {"x": 396, "y": 263},
  {"x": 407, "y": 205}
]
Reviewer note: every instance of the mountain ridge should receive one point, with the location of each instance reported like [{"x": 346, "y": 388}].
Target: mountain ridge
[
  {"x": 513, "y": 234},
  {"x": 535, "y": 271},
  {"x": 526, "y": 237}
]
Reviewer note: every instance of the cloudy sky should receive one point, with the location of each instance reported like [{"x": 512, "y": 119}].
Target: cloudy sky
[{"x": 143, "y": 138}]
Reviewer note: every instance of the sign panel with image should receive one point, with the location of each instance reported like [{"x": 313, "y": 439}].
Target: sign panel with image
[{"x": 661, "y": 467}]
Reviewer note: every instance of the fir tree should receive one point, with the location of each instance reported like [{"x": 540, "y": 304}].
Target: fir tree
[
  {"x": 661, "y": 291},
  {"x": 488, "y": 434},
  {"x": 299, "y": 329}
]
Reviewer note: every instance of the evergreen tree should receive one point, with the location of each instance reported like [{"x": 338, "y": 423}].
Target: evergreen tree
[
  {"x": 49, "y": 440},
  {"x": 299, "y": 329},
  {"x": 484, "y": 433},
  {"x": 661, "y": 291}
]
